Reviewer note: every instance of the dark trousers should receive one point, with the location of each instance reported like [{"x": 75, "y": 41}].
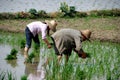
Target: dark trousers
[
  {"x": 29, "y": 37},
  {"x": 55, "y": 48}
]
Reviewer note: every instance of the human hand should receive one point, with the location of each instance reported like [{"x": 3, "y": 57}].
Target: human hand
[
  {"x": 83, "y": 55},
  {"x": 49, "y": 46}
]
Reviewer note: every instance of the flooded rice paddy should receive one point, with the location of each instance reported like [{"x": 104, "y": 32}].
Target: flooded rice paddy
[
  {"x": 103, "y": 63},
  {"x": 18, "y": 67}
]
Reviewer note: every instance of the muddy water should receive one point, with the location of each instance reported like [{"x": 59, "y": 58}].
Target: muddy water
[{"x": 18, "y": 68}]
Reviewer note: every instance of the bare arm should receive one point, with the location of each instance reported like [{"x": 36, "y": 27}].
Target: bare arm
[
  {"x": 78, "y": 43},
  {"x": 81, "y": 53},
  {"x": 47, "y": 42}
]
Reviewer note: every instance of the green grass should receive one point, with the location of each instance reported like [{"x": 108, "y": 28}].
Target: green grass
[
  {"x": 78, "y": 23},
  {"x": 11, "y": 38},
  {"x": 105, "y": 28},
  {"x": 7, "y": 75},
  {"x": 103, "y": 64}
]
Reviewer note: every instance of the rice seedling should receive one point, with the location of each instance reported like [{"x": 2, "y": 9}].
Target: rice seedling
[
  {"x": 24, "y": 77},
  {"x": 12, "y": 55},
  {"x": 103, "y": 63},
  {"x": 10, "y": 76},
  {"x": 2, "y": 75},
  {"x": 7, "y": 75},
  {"x": 22, "y": 44},
  {"x": 30, "y": 58}
]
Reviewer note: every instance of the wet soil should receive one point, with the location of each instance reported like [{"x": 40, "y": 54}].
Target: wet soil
[{"x": 103, "y": 29}]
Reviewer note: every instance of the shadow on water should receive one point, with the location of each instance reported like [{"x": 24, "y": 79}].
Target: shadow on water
[{"x": 33, "y": 70}]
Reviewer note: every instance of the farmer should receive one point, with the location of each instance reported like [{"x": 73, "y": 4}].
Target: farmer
[
  {"x": 33, "y": 29},
  {"x": 66, "y": 40}
]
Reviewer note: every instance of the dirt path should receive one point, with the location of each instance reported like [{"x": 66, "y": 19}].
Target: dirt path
[{"x": 103, "y": 29}]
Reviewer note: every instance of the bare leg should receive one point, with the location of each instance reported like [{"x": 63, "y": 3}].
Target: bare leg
[
  {"x": 59, "y": 58},
  {"x": 67, "y": 58},
  {"x": 26, "y": 52}
]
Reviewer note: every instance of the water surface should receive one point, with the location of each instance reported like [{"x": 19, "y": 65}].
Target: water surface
[
  {"x": 53, "y": 5},
  {"x": 18, "y": 67}
]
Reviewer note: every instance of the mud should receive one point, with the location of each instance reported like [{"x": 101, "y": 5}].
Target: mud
[{"x": 101, "y": 35}]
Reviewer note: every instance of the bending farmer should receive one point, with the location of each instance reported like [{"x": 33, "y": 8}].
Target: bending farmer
[
  {"x": 66, "y": 40},
  {"x": 33, "y": 29}
]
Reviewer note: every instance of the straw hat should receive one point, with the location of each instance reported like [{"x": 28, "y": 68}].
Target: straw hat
[
  {"x": 86, "y": 33},
  {"x": 52, "y": 24}
]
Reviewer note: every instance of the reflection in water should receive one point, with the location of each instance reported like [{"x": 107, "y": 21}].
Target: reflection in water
[
  {"x": 33, "y": 70},
  {"x": 30, "y": 68},
  {"x": 13, "y": 63},
  {"x": 22, "y": 51},
  {"x": 33, "y": 73},
  {"x": 38, "y": 75}
]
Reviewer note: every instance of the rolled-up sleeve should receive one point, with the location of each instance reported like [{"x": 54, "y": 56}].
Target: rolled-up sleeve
[
  {"x": 43, "y": 32},
  {"x": 78, "y": 43}
]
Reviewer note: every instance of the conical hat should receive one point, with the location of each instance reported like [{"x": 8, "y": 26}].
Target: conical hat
[
  {"x": 52, "y": 24},
  {"x": 86, "y": 33}
]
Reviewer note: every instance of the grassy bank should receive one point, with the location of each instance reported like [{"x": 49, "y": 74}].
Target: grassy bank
[{"x": 104, "y": 29}]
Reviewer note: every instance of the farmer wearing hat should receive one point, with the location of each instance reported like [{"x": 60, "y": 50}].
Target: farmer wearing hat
[
  {"x": 33, "y": 29},
  {"x": 66, "y": 40}
]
